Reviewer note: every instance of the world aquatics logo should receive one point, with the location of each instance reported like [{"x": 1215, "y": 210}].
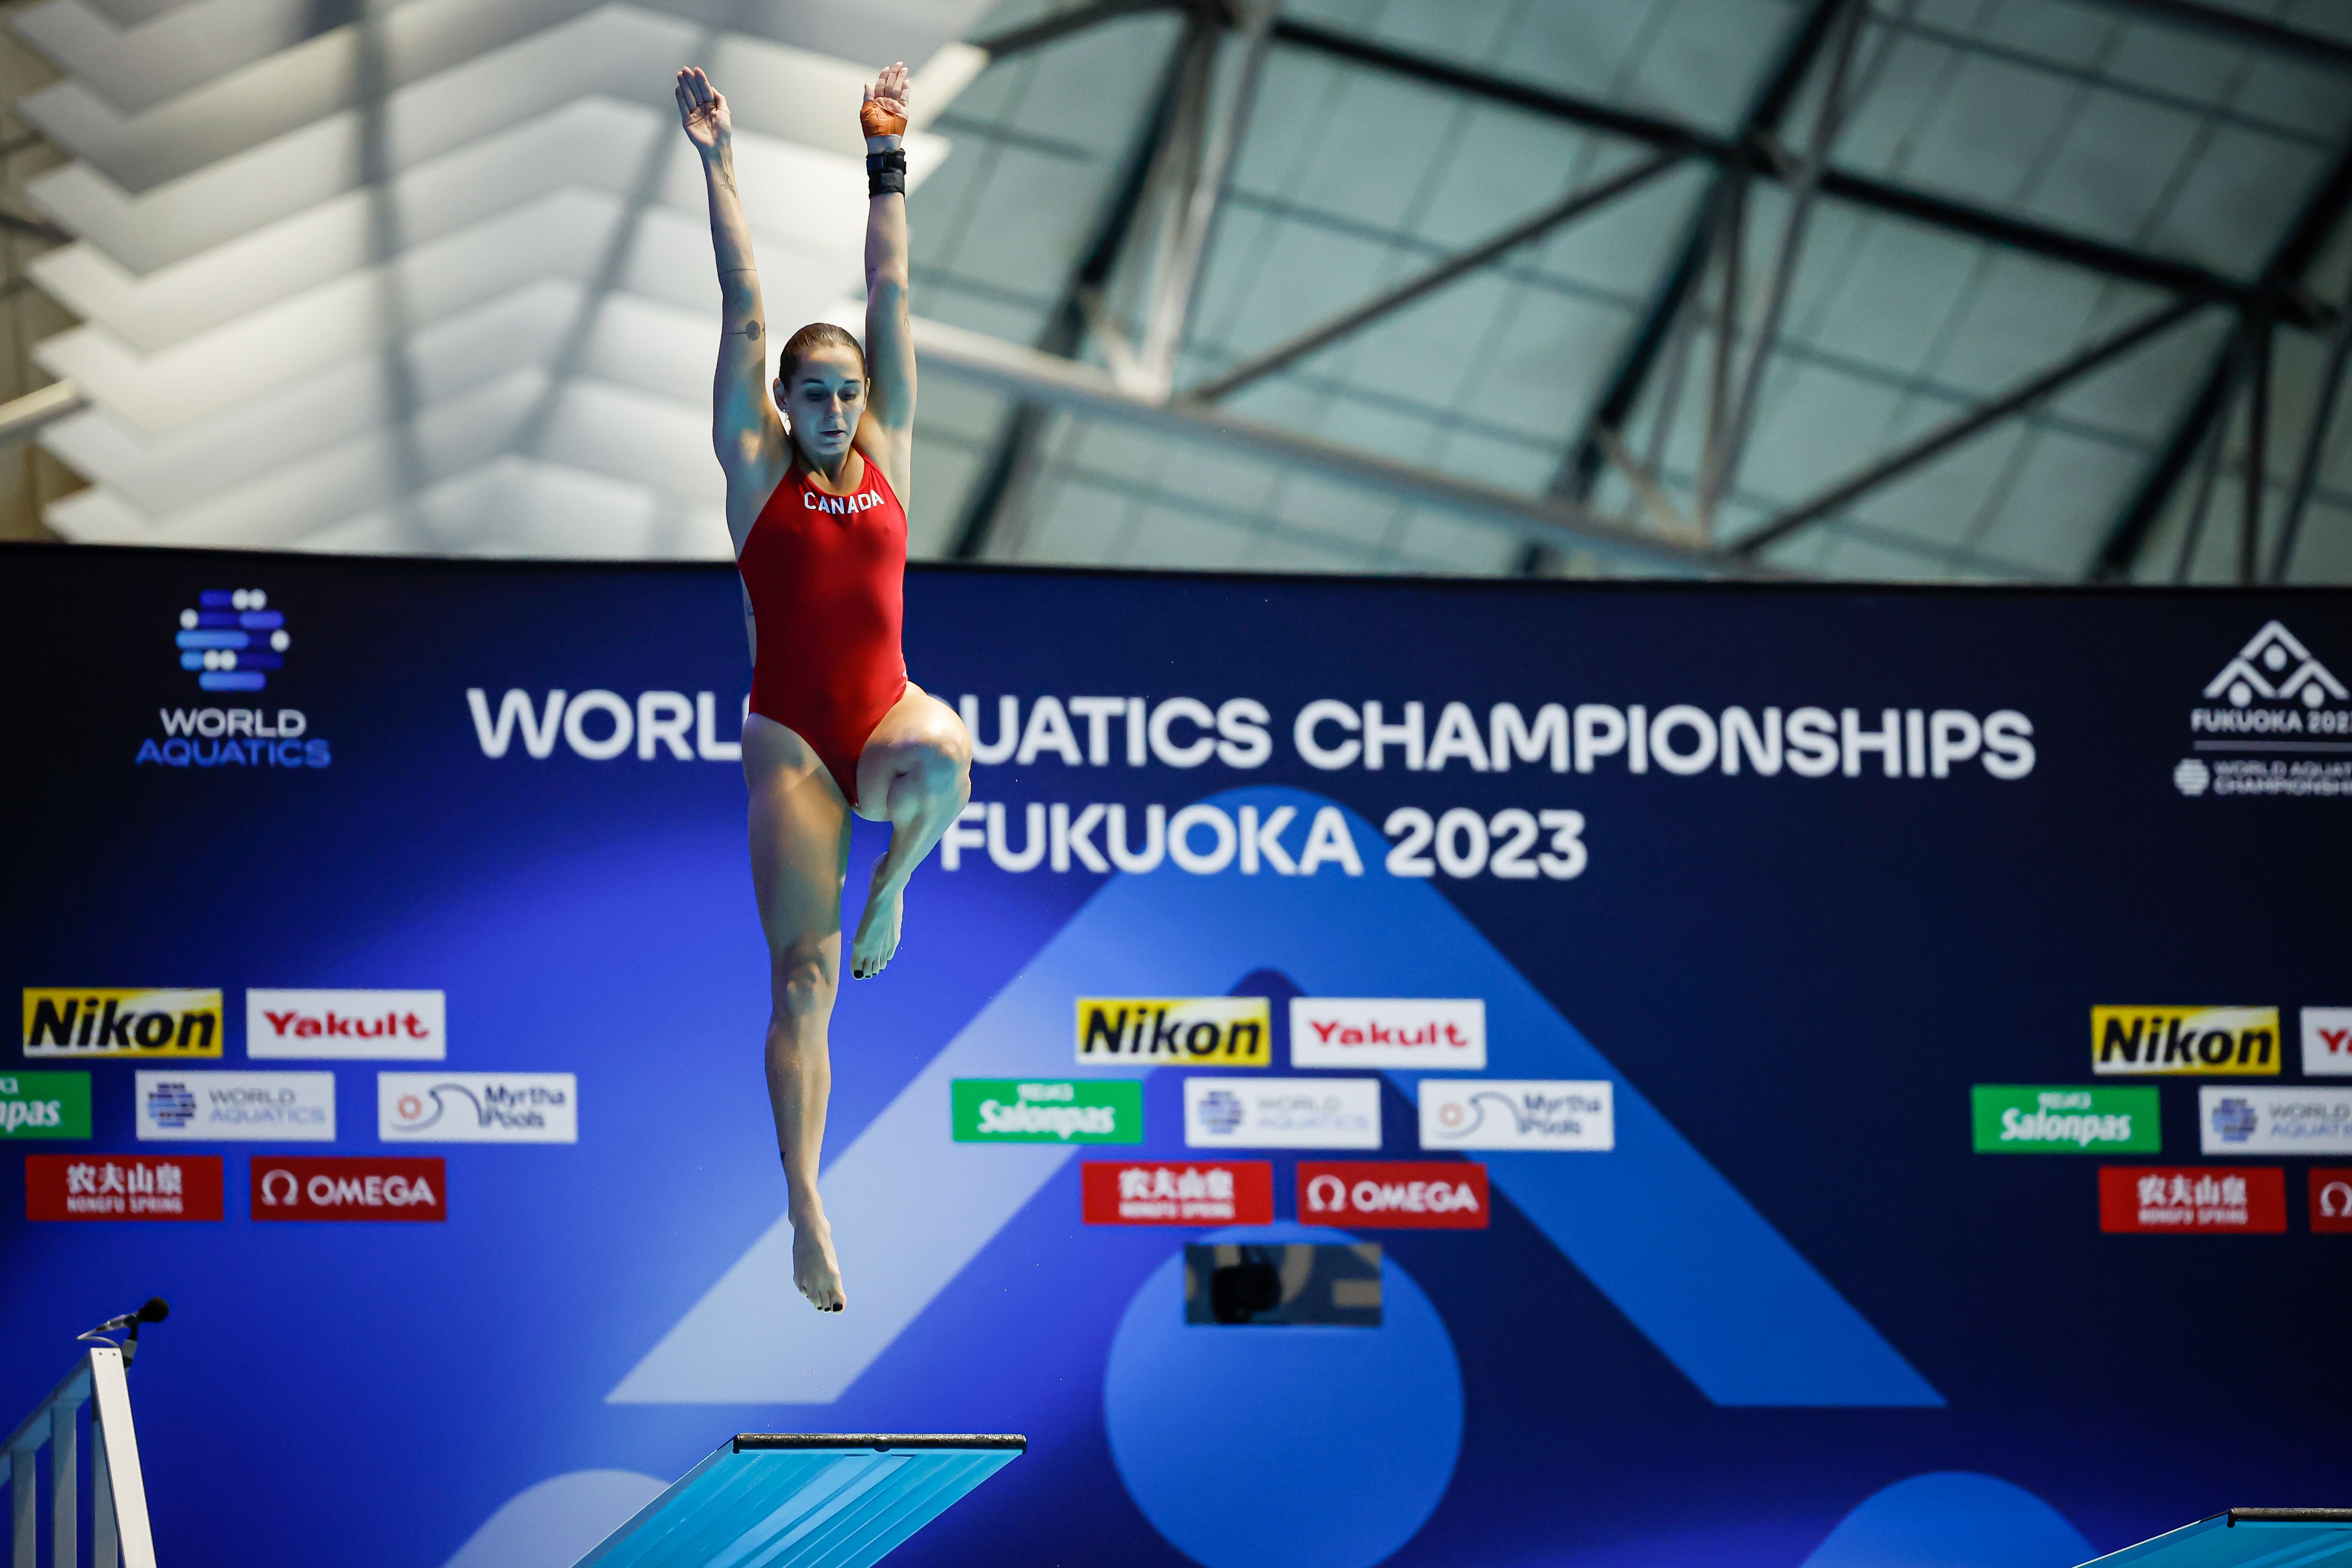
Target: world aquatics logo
[{"x": 231, "y": 639}]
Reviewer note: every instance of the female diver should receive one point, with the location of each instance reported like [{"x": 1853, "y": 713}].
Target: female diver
[{"x": 816, "y": 502}]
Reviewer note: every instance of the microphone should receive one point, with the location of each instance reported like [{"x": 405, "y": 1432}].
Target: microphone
[{"x": 154, "y": 1311}]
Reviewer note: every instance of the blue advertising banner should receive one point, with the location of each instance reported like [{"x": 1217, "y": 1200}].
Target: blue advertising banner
[{"x": 1653, "y": 972}]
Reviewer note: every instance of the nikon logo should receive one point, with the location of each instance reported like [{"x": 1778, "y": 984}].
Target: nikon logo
[
  {"x": 2233, "y": 1041},
  {"x": 1223, "y": 1031},
  {"x": 73, "y": 1021}
]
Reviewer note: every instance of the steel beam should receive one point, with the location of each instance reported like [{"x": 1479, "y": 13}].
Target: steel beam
[
  {"x": 21, "y": 416},
  {"x": 1430, "y": 280},
  {"x": 2239, "y": 27},
  {"x": 1726, "y": 444},
  {"x": 1047, "y": 379},
  {"x": 2130, "y": 532},
  {"x": 1582, "y": 470},
  {"x": 1664, "y": 318},
  {"x": 1012, "y": 460},
  {"x": 2056, "y": 245},
  {"x": 1961, "y": 217},
  {"x": 1053, "y": 28},
  {"x": 1731, "y": 252},
  {"x": 1175, "y": 282},
  {"x": 2315, "y": 445},
  {"x": 2281, "y": 285},
  {"x": 33, "y": 227},
  {"x": 1770, "y": 106},
  {"x": 2258, "y": 445},
  {"x": 1951, "y": 433},
  {"x": 2208, "y": 477}
]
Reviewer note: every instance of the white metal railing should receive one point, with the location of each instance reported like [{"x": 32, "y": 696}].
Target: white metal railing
[{"x": 118, "y": 1531}]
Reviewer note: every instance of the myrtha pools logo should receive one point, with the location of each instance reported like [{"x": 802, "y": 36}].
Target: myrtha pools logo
[
  {"x": 2282, "y": 712},
  {"x": 479, "y": 1107}
]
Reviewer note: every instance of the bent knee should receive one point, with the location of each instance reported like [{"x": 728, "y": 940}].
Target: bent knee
[
  {"x": 940, "y": 762},
  {"x": 930, "y": 764},
  {"x": 803, "y": 982}
]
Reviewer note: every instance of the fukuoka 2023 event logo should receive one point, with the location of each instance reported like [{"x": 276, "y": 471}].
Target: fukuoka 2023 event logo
[
  {"x": 2274, "y": 721},
  {"x": 233, "y": 640}
]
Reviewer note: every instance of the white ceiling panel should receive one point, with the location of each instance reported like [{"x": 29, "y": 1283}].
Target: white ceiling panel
[{"x": 439, "y": 277}]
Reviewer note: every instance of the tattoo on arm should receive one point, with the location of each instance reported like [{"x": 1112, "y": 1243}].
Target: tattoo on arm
[{"x": 750, "y": 330}]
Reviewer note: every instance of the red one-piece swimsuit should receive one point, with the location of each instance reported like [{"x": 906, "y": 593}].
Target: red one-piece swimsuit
[{"x": 826, "y": 578}]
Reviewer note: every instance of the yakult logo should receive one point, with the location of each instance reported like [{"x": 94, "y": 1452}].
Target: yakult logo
[
  {"x": 1425, "y": 1195},
  {"x": 1388, "y": 1032},
  {"x": 346, "y": 1025},
  {"x": 2328, "y": 1042}
]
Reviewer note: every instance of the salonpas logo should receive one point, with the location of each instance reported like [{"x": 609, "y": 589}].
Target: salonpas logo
[
  {"x": 1176, "y": 1031},
  {"x": 45, "y": 1105},
  {"x": 137, "y": 1021},
  {"x": 2032, "y": 1119},
  {"x": 2231, "y": 1041},
  {"x": 1013, "y": 1111}
]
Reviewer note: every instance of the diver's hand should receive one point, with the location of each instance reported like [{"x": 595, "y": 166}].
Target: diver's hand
[
  {"x": 702, "y": 110},
  {"x": 884, "y": 112}
]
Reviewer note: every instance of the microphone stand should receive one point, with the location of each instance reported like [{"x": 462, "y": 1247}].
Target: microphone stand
[{"x": 155, "y": 1310}]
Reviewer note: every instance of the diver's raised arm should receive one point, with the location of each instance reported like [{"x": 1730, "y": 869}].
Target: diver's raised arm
[
  {"x": 888, "y": 432},
  {"x": 745, "y": 429}
]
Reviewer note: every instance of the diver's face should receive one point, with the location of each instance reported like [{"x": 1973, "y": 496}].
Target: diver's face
[{"x": 823, "y": 402}]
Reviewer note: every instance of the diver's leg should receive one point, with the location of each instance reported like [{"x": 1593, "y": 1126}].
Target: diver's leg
[
  {"x": 800, "y": 850},
  {"x": 915, "y": 774}
]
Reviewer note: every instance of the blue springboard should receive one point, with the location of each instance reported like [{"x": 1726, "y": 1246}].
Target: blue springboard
[
  {"x": 2246, "y": 1537},
  {"x": 803, "y": 1500}
]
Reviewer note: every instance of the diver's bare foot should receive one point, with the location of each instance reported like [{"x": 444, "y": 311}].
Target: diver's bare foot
[
  {"x": 877, "y": 935},
  {"x": 815, "y": 1269}
]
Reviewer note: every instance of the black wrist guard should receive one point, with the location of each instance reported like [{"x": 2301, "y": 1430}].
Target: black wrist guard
[{"x": 886, "y": 172}]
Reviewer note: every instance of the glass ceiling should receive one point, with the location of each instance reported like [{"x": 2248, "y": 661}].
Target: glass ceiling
[{"x": 2003, "y": 184}]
